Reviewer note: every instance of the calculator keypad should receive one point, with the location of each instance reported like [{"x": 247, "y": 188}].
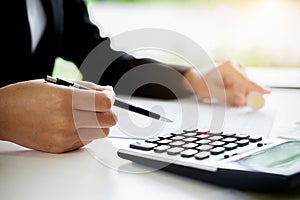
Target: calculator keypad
[{"x": 200, "y": 144}]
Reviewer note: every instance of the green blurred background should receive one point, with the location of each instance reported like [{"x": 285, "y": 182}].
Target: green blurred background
[{"x": 252, "y": 32}]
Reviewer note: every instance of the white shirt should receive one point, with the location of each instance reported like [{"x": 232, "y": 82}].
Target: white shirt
[{"x": 37, "y": 21}]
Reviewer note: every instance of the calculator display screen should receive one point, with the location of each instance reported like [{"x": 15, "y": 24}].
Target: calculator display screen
[{"x": 283, "y": 159}]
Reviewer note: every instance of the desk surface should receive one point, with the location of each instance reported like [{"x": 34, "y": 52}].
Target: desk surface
[{"x": 27, "y": 174}]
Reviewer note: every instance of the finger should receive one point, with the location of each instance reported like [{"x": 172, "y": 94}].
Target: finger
[
  {"x": 229, "y": 96},
  {"x": 232, "y": 71},
  {"x": 236, "y": 94},
  {"x": 242, "y": 69},
  {"x": 95, "y": 86},
  {"x": 92, "y": 85},
  {"x": 215, "y": 94},
  {"x": 239, "y": 74},
  {"x": 235, "y": 98},
  {"x": 86, "y": 119},
  {"x": 252, "y": 86},
  {"x": 89, "y": 134},
  {"x": 92, "y": 100}
]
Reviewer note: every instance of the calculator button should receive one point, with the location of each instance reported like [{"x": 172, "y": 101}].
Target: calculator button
[
  {"x": 203, "y": 141},
  {"x": 152, "y": 140},
  {"x": 230, "y": 146},
  {"x": 202, "y": 131},
  {"x": 255, "y": 139},
  {"x": 190, "y": 145},
  {"x": 217, "y": 144},
  {"x": 174, "y": 150},
  {"x": 202, "y": 155},
  {"x": 190, "y": 131},
  {"x": 165, "y": 141},
  {"x": 203, "y": 136},
  {"x": 177, "y": 133},
  {"x": 161, "y": 149},
  {"x": 191, "y": 139},
  {"x": 229, "y": 140},
  {"x": 176, "y": 143},
  {"x": 204, "y": 147},
  {"x": 242, "y": 143},
  {"x": 189, "y": 134},
  {"x": 217, "y": 150},
  {"x": 242, "y": 136},
  {"x": 177, "y": 138},
  {"x": 215, "y": 133},
  {"x": 188, "y": 153},
  {"x": 228, "y": 134},
  {"x": 166, "y": 136},
  {"x": 142, "y": 146},
  {"x": 215, "y": 138}
]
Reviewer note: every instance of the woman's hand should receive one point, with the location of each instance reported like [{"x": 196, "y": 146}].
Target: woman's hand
[
  {"x": 227, "y": 83},
  {"x": 53, "y": 118}
]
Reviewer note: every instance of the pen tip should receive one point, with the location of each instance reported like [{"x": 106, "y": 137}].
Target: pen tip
[{"x": 165, "y": 119}]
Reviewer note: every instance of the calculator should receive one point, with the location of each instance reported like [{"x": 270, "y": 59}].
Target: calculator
[{"x": 233, "y": 160}]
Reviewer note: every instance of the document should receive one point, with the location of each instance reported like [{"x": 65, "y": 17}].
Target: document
[
  {"x": 276, "y": 77},
  {"x": 280, "y": 117},
  {"x": 287, "y": 113},
  {"x": 189, "y": 114}
]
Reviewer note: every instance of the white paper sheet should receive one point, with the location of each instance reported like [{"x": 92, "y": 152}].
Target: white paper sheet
[{"x": 190, "y": 114}]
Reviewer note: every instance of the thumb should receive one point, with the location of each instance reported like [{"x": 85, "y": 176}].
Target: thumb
[
  {"x": 228, "y": 96},
  {"x": 235, "y": 98}
]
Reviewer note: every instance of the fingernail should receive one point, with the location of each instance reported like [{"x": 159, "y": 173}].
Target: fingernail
[{"x": 100, "y": 88}]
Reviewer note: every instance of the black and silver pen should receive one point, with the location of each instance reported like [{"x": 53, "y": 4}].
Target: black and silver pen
[{"x": 118, "y": 102}]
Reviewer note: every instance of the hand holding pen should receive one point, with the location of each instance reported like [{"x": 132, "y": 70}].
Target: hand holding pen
[
  {"x": 46, "y": 117},
  {"x": 118, "y": 102}
]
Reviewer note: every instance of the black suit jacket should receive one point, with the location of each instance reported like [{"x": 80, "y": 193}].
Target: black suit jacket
[{"x": 71, "y": 35}]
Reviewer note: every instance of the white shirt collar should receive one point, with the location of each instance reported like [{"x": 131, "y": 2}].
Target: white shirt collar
[{"x": 37, "y": 21}]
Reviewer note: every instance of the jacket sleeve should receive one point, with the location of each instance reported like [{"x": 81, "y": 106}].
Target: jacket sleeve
[{"x": 99, "y": 63}]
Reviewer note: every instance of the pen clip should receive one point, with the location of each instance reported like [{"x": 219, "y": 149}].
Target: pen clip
[
  {"x": 58, "y": 81},
  {"x": 50, "y": 79}
]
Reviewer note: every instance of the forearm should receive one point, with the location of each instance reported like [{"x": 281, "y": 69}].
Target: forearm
[
  {"x": 197, "y": 83},
  {"x": 2, "y": 114},
  {"x": 146, "y": 77},
  {"x": 106, "y": 66},
  {"x": 4, "y": 109}
]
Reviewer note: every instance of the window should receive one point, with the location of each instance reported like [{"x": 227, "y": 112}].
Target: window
[{"x": 252, "y": 32}]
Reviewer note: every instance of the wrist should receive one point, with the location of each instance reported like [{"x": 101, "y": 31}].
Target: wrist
[
  {"x": 196, "y": 83},
  {"x": 3, "y": 114},
  {"x": 7, "y": 122}
]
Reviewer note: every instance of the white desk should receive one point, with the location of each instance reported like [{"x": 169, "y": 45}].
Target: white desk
[{"x": 27, "y": 174}]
